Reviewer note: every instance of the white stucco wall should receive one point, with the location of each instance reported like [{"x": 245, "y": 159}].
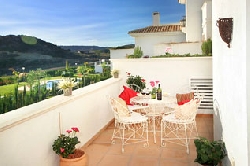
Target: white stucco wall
[
  {"x": 120, "y": 53},
  {"x": 149, "y": 41},
  {"x": 173, "y": 73},
  {"x": 231, "y": 79},
  {"x": 178, "y": 48},
  {"x": 185, "y": 48},
  {"x": 207, "y": 20},
  {"x": 27, "y": 134},
  {"x": 193, "y": 20}
]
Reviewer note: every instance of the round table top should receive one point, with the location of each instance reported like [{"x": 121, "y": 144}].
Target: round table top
[{"x": 169, "y": 101}]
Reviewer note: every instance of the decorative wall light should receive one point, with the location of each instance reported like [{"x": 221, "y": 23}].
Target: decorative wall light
[{"x": 226, "y": 28}]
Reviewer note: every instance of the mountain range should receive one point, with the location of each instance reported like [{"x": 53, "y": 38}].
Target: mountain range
[{"x": 32, "y": 53}]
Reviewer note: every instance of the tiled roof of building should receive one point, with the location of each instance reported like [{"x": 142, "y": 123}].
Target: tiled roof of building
[{"x": 159, "y": 28}]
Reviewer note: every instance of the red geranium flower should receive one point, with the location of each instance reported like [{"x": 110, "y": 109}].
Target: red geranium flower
[
  {"x": 62, "y": 150},
  {"x": 65, "y": 145},
  {"x": 75, "y": 129},
  {"x": 69, "y": 131}
]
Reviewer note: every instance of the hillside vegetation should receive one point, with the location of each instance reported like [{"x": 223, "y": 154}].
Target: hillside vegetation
[{"x": 32, "y": 53}]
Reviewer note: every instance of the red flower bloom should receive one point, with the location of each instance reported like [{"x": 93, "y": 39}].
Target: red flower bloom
[
  {"x": 75, "y": 129},
  {"x": 143, "y": 80},
  {"x": 69, "y": 131},
  {"x": 62, "y": 150},
  {"x": 157, "y": 82},
  {"x": 128, "y": 74}
]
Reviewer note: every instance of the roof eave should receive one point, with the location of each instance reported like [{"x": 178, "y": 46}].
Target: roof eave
[
  {"x": 156, "y": 33},
  {"x": 182, "y": 1}
]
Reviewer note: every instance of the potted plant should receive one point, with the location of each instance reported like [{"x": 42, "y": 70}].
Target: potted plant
[
  {"x": 154, "y": 89},
  {"x": 135, "y": 82},
  {"x": 209, "y": 153},
  {"x": 115, "y": 73},
  {"x": 64, "y": 146},
  {"x": 66, "y": 86}
]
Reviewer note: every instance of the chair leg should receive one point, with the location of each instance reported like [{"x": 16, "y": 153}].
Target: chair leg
[
  {"x": 195, "y": 126},
  {"x": 186, "y": 140},
  {"x": 154, "y": 132},
  {"x": 162, "y": 133},
  {"x": 123, "y": 135},
  {"x": 145, "y": 128}
]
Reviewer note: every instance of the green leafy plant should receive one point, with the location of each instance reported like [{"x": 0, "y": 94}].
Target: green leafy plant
[
  {"x": 206, "y": 47},
  {"x": 137, "y": 53},
  {"x": 64, "y": 145},
  {"x": 137, "y": 83},
  {"x": 209, "y": 152}
]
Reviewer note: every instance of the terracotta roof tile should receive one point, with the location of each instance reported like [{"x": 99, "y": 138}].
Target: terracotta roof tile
[{"x": 155, "y": 29}]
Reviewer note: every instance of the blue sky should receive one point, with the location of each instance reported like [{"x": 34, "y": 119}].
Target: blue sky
[{"x": 82, "y": 22}]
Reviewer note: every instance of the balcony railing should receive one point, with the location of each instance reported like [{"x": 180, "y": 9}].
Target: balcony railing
[{"x": 31, "y": 130}]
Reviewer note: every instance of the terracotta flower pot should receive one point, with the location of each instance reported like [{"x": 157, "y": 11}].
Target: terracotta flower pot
[
  {"x": 116, "y": 75},
  {"x": 67, "y": 92},
  {"x": 81, "y": 161}
]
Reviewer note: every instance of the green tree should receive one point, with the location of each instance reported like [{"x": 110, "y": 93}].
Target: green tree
[{"x": 34, "y": 77}]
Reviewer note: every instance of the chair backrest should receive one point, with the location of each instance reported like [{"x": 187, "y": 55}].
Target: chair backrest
[
  {"x": 119, "y": 107},
  {"x": 187, "y": 111},
  {"x": 186, "y": 97}
]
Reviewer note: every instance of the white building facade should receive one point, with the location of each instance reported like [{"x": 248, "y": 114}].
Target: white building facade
[
  {"x": 181, "y": 38},
  {"x": 231, "y": 80}
]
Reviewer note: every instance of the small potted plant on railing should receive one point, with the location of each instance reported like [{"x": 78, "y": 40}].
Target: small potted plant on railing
[
  {"x": 66, "y": 86},
  {"x": 115, "y": 73},
  {"x": 209, "y": 153},
  {"x": 64, "y": 146}
]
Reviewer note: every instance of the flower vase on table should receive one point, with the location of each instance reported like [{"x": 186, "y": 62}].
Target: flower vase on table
[
  {"x": 153, "y": 93},
  {"x": 154, "y": 89}
]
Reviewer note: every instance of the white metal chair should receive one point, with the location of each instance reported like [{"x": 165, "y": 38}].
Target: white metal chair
[
  {"x": 180, "y": 126},
  {"x": 154, "y": 113},
  {"x": 130, "y": 126}
]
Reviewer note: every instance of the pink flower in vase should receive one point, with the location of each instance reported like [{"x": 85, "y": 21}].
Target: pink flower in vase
[{"x": 152, "y": 83}]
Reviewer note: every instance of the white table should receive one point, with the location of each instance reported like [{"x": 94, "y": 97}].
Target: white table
[
  {"x": 144, "y": 100},
  {"x": 156, "y": 108}
]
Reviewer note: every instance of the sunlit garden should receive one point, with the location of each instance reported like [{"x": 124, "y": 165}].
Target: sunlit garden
[{"x": 22, "y": 89}]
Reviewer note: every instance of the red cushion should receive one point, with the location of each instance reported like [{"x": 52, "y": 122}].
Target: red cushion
[
  {"x": 130, "y": 91},
  {"x": 183, "y": 102},
  {"x": 127, "y": 94},
  {"x": 184, "y": 97}
]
